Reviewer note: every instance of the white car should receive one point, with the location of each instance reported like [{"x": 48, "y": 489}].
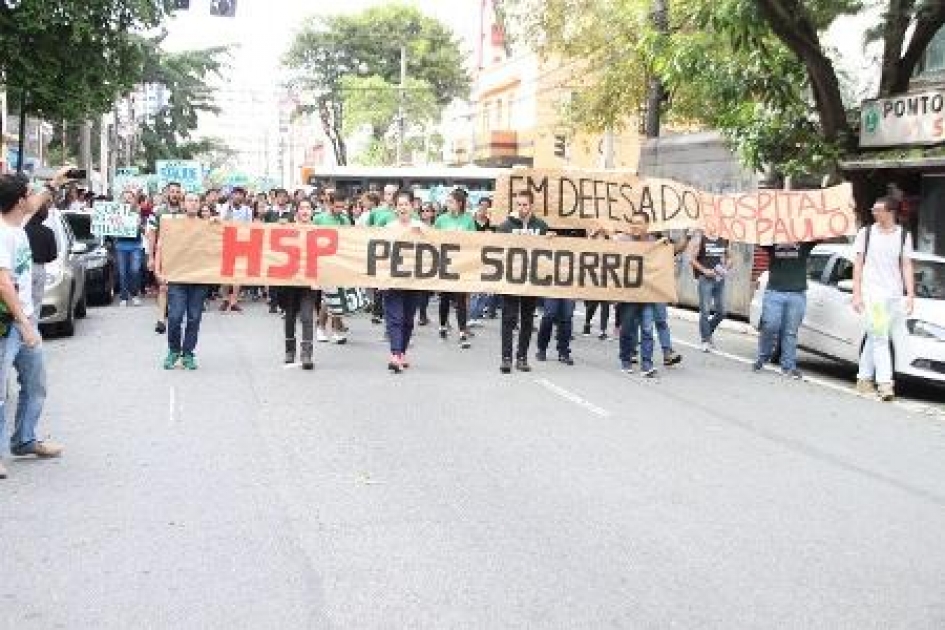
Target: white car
[{"x": 832, "y": 328}]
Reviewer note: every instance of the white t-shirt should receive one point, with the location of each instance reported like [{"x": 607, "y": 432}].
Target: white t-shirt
[
  {"x": 17, "y": 258},
  {"x": 882, "y": 269}
]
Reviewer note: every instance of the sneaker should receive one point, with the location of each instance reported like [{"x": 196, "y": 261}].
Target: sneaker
[
  {"x": 170, "y": 361},
  {"x": 649, "y": 372},
  {"x": 236, "y": 308},
  {"x": 321, "y": 336},
  {"x": 160, "y": 328},
  {"x": 757, "y": 366},
  {"x": 394, "y": 364},
  {"x": 189, "y": 362},
  {"x": 404, "y": 363},
  {"x": 795, "y": 374},
  {"x": 885, "y": 391},
  {"x": 541, "y": 356},
  {"x": 44, "y": 450},
  {"x": 123, "y": 303},
  {"x": 602, "y": 336},
  {"x": 443, "y": 332},
  {"x": 522, "y": 365},
  {"x": 626, "y": 367},
  {"x": 423, "y": 321},
  {"x": 339, "y": 339},
  {"x": 224, "y": 306},
  {"x": 136, "y": 301},
  {"x": 566, "y": 359},
  {"x": 464, "y": 341},
  {"x": 587, "y": 331},
  {"x": 506, "y": 366},
  {"x": 376, "y": 320},
  {"x": 672, "y": 358},
  {"x": 706, "y": 346},
  {"x": 865, "y": 386}
]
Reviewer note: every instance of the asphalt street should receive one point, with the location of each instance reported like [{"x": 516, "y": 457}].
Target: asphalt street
[{"x": 251, "y": 495}]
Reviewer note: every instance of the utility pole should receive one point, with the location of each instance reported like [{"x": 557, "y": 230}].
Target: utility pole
[
  {"x": 401, "y": 108},
  {"x": 654, "y": 98}
]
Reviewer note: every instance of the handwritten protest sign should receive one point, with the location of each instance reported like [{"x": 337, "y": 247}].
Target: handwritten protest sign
[
  {"x": 467, "y": 262},
  {"x": 611, "y": 199},
  {"x": 115, "y": 219},
  {"x": 188, "y": 173}
]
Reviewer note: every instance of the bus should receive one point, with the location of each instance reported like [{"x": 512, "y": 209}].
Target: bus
[{"x": 353, "y": 180}]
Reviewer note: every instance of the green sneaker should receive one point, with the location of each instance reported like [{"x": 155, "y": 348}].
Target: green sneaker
[
  {"x": 190, "y": 362},
  {"x": 171, "y": 361}
]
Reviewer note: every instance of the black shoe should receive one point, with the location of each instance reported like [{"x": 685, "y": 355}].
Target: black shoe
[
  {"x": 566, "y": 359},
  {"x": 506, "y": 366},
  {"x": 307, "y": 362},
  {"x": 522, "y": 366},
  {"x": 464, "y": 341},
  {"x": 160, "y": 328},
  {"x": 443, "y": 332},
  {"x": 672, "y": 358},
  {"x": 290, "y": 348},
  {"x": 423, "y": 321},
  {"x": 273, "y": 308},
  {"x": 587, "y": 331},
  {"x": 375, "y": 320},
  {"x": 541, "y": 355}
]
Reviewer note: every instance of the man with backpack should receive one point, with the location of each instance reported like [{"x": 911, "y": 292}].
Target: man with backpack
[{"x": 884, "y": 292}]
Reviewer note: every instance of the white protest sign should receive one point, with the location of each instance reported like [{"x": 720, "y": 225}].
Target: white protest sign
[
  {"x": 115, "y": 219},
  {"x": 188, "y": 173}
]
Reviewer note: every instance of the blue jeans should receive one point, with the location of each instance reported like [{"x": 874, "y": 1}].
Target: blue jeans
[
  {"x": 781, "y": 315},
  {"x": 480, "y": 302},
  {"x": 636, "y": 317},
  {"x": 557, "y": 312},
  {"x": 400, "y": 310},
  {"x": 661, "y": 319},
  {"x": 129, "y": 272},
  {"x": 711, "y": 306},
  {"x": 31, "y": 374},
  {"x": 184, "y": 299}
]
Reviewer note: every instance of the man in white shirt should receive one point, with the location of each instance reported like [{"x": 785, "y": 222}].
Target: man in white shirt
[
  {"x": 20, "y": 341},
  {"x": 241, "y": 211},
  {"x": 883, "y": 291}
]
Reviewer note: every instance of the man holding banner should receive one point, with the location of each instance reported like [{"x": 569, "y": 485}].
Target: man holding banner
[
  {"x": 519, "y": 311},
  {"x": 173, "y": 207}
]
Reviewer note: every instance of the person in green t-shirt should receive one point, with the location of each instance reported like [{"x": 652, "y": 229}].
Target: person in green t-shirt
[
  {"x": 455, "y": 219},
  {"x": 384, "y": 214}
]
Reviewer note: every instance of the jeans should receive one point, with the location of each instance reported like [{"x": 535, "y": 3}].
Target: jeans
[
  {"x": 299, "y": 303},
  {"x": 558, "y": 312},
  {"x": 517, "y": 311},
  {"x": 479, "y": 303},
  {"x": 781, "y": 315},
  {"x": 129, "y": 272},
  {"x": 31, "y": 374},
  {"x": 635, "y": 317},
  {"x": 184, "y": 299},
  {"x": 711, "y": 300},
  {"x": 661, "y": 319},
  {"x": 590, "y": 309},
  {"x": 400, "y": 310},
  {"x": 885, "y": 321},
  {"x": 423, "y": 303},
  {"x": 460, "y": 300}
]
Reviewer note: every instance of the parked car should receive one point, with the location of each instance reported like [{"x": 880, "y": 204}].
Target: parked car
[
  {"x": 65, "y": 299},
  {"x": 832, "y": 328},
  {"x": 101, "y": 268}
]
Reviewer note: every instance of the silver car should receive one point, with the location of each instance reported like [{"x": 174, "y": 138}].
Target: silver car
[
  {"x": 831, "y": 327},
  {"x": 64, "y": 299}
]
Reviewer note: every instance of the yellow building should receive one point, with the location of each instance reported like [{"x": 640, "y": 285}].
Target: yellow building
[{"x": 517, "y": 113}]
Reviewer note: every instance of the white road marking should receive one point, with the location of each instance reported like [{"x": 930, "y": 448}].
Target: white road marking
[
  {"x": 572, "y": 397},
  {"x": 912, "y": 407}
]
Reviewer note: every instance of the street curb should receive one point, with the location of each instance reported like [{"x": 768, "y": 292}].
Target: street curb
[{"x": 729, "y": 325}]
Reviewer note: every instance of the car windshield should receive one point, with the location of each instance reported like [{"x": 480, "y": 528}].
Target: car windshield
[
  {"x": 81, "y": 225},
  {"x": 929, "y": 279}
]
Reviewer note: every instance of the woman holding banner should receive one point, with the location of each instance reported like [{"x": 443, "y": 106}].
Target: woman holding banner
[
  {"x": 300, "y": 303},
  {"x": 400, "y": 305}
]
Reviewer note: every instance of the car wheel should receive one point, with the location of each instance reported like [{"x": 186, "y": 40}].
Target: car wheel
[{"x": 82, "y": 307}]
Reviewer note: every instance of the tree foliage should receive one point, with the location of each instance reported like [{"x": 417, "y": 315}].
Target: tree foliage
[
  {"x": 332, "y": 51},
  {"x": 757, "y": 70},
  {"x": 187, "y": 76},
  {"x": 73, "y": 58}
]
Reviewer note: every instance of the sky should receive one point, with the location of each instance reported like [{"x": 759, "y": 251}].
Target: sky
[{"x": 265, "y": 28}]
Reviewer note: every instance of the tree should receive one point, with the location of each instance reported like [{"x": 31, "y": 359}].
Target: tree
[
  {"x": 72, "y": 58},
  {"x": 755, "y": 69},
  {"x": 332, "y": 50},
  {"x": 186, "y": 76}
]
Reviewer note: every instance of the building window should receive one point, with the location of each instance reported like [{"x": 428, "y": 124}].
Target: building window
[{"x": 933, "y": 61}]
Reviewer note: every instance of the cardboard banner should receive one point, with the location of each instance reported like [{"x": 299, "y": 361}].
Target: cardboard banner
[
  {"x": 611, "y": 199},
  {"x": 115, "y": 219},
  {"x": 199, "y": 252}
]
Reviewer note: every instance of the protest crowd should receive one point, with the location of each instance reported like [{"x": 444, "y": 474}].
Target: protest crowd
[{"x": 315, "y": 314}]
